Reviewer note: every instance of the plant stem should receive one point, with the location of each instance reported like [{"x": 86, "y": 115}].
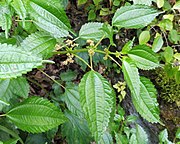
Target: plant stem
[
  {"x": 82, "y": 60},
  {"x": 114, "y": 61},
  {"x": 24, "y": 20},
  {"x": 55, "y": 81}
]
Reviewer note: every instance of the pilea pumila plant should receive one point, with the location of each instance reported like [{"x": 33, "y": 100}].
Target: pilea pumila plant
[{"x": 42, "y": 30}]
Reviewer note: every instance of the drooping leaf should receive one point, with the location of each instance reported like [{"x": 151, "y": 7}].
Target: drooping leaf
[
  {"x": 71, "y": 98},
  {"x": 40, "y": 44},
  {"x": 144, "y": 57},
  {"x": 144, "y": 2},
  {"x": 76, "y": 130},
  {"x": 134, "y": 16},
  {"x": 49, "y": 18},
  {"x": 91, "y": 30},
  {"x": 15, "y": 62},
  {"x": 146, "y": 102},
  {"x": 96, "y": 98},
  {"x": 20, "y": 9},
  {"x": 131, "y": 75},
  {"x": 36, "y": 115},
  {"x": 141, "y": 135}
]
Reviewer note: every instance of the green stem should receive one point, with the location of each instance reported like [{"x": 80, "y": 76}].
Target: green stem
[
  {"x": 83, "y": 61},
  {"x": 91, "y": 61},
  {"x": 52, "y": 79},
  {"x": 114, "y": 61},
  {"x": 11, "y": 133},
  {"x": 99, "y": 41}
]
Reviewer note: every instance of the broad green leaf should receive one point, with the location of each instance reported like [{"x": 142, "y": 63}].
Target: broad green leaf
[
  {"x": 76, "y": 130},
  {"x": 71, "y": 98},
  {"x": 131, "y": 76},
  {"x": 19, "y": 6},
  {"x": 144, "y": 2},
  {"x": 5, "y": 18},
  {"x": 168, "y": 54},
  {"x": 146, "y": 102},
  {"x": 177, "y": 5},
  {"x": 15, "y": 62},
  {"x": 96, "y": 98},
  {"x": 144, "y": 37},
  {"x": 91, "y": 30},
  {"x": 133, "y": 139},
  {"x": 106, "y": 138},
  {"x": 49, "y": 18},
  {"x": 134, "y": 16},
  {"x": 157, "y": 43},
  {"x": 127, "y": 47},
  {"x": 141, "y": 135},
  {"x": 40, "y": 44},
  {"x": 144, "y": 57},
  {"x": 36, "y": 115}
]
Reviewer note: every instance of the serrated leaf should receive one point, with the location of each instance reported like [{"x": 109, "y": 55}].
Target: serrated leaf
[
  {"x": 144, "y": 2},
  {"x": 157, "y": 43},
  {"x": 11, "y": 141},
  {"x": 15, "y": 62},
  {"x": 141, "y": 135},
  {"x": 121, "y": 139},
  {"x": 127, "y": 47},
  {"x": 40, "y": 44},
  {"x": 146, "y": 102},
  {"x": 92, "y": 30},
  {"x": 144, "y": 57},
  {"x": 106, "y": 138},
  {"x": 134, "y": 16},
  {"x": 36, "y": 115},
  {"x": 76, "y": 130},
  {"x": 133, "y": 139},
  {"x": 71, "y": 98},
  {"x": 49, "y": 18},
  {"x": 20, "y": 9},
  {"x": 163, "y": 137},
  {"x": 96, "y": 98},
  {"x": 131, "y": 75}
]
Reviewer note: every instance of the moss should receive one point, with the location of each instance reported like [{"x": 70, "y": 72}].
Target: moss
[{"x": 169, "y": 89}]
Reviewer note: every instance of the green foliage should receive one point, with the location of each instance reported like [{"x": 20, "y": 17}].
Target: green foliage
[
  {"x": 36, "y": 115},
  {"x": 96, "y": 98}
]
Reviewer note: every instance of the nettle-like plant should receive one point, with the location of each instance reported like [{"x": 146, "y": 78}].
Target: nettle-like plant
[{"x": 91, "y": 108}]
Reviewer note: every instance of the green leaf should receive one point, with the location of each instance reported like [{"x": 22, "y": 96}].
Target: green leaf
[
  {"x": 133, "y": 139},
  {"x": 11, "y": 141},
  {"x": 168, "y": 54},
  {"x": 163, "y": 137},
  {"x": 141, "y": 135},
  {"x": 15, "y": 62},
  {"x": 71, "y": 98},
  {"x": 76, "y": 130},
  {"x": 166, "y": 25},
  {"x": 144, "y": 57},
  {"x": 144, "y": 2},
  {"x": 157, "y": 43},
  {"x": 146, "y": 102},
  {"x": 177, "y": 5},
  {"x": 121, "y": 139},
  {"x": 144, "y": 37},
  {"x": 127, "y": 47},
  {"x": 40, "y": 44},
  {"x": 92, "y": 30},
  {"x": 134, "y": 16},
  {"x": 131, "y": 75},
  {"x": 20, "y": 9},
  {"x": 36, "y": 115},
  {"x": 80, "y": 2},
  {"x": 49, "y": 18},
  {"x": 96, "y": 98},
  {"x": 178, "y": 133},
  {"x": 177, "y": 56},
  {"x": 160, "y": 3},
  {"x": 106, "y": 138},
  {"x": 68, "y": 75}
]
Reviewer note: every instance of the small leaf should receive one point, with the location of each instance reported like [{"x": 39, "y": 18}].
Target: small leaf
[
  {"x": 163, "y": 137},
  {"x": 178, "y": 133},
  {"x": 166, "y": 25},
  {"x": 96, "y": 98},
  {"x": 15, "y": 62},
  {"x": 40, "y": 44},
  {"x": 92, "y": 30},
  {"x": 141, "y": 135},
  {"x": 134, "y": 16},
  {"x": 168, "y": 54},
  {"x": 36, "y": 115},
  {"x": 131, "y": 75},
  {"x": 144, "y": 57},
  {"x": 144, "y": 2},
  {"x": 80, "y": 2},
  {"x": 49, "y": 18},
  {"x": 76, "y": 130},
  {"x": 177, "y": 56},
  {"x": 127, "y": 47},
  {"x": 157, "y": 44},
  {"x": 177, "y": 5},
  {"x": 144, "y": 37},
  {"x": 160, "y": 3},
  {"x": 146, "y": 102}
]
